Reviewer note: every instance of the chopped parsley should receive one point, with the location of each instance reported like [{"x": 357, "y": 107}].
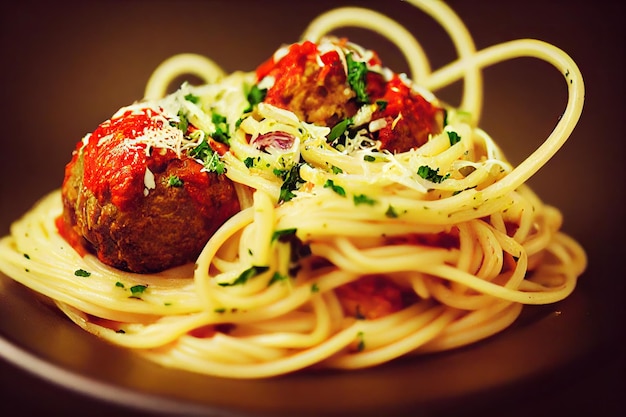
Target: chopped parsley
[
  {"x": 174, "y": 181},
  {"x": 291, "y": 181},
  {"x": 460, "y": 191},
  {"x": 182, "y": 123},
  {"x": 336, "y": 170},
  {"x": 246, "y": 275},
  {"x": 27, "y": 256},
  {"x": 277, "y": 277},
  {"x": 391, "y": 212},
  {"x": 192, "y": 98},
  {"x": 255, "y": 96},
  {"x": 357, "y": 71},
  {"x": 82, "y": 273},
  {"x": 208, "y": 156},
  {"x": 284, "y": 235},
  {"x": 453, "y": 137},
  {"x": 382, "y": 104},
  {"x": 137, "y": 290},
  {"x": 315, "y": 288},
  {"x": 430, "y": 174},
  {"x": 339, "y": 129},
  {"x": 221, "y": 133},
  {"x": 249, "y": 161},
  {"x": 369, "y": 158},
  {"x": 298, "y": 249},
  {"x": 363, "y": 199},
  {"x": 119, "y": 284},
  {"x": 336, "y": 188}
]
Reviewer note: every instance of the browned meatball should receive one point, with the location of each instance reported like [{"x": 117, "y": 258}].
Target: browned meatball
[
  {"x": 410, "y": 118},
  {"x": 139, "y": 212},
  {"x": 317, "y": 87},
  {"x": 316, "y": 94}
]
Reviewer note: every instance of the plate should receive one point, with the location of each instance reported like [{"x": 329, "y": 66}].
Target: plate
[{"x": 72, "y": 64}]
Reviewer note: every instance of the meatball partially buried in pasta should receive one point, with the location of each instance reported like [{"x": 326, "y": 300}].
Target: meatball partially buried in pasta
[{"x": 139, "y": 200}]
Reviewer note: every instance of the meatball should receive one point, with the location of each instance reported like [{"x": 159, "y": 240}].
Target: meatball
[
  {"x": 316, "y": 94},
  {"x": 410, "y": 118},
  {"x": 372, "y": 297},
  {"x": 141, "y": 209},
  {"x": 312, "y": 82}
]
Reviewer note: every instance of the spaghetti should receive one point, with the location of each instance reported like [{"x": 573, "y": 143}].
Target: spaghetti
[{"x": 368, "y": 256}]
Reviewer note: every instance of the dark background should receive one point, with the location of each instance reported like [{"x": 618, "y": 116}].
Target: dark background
[{"x": 67, "y": 66}]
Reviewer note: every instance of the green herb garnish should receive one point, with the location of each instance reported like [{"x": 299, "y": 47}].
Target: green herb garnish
[
  {"x": 453, "y": 137},
  {"x": 210, "y": 159},
  {"x": 339, "y": 129},
  {"x": 291, "y": 181},
  {"x": 182, "y": 123},
  {"x": 221, "y": 133},
  {"x": 284, "y": 234},
  {"x": 363, "y": 199},
  {"x": 391, "y": 212},
  {"x": 137, "y": 290},
  {"x": 255, "y": 96},
  {"x": 430, "y": 174},
  {"x": 245, "y": 276},
  {"x": 336, "y": 188},
  {"x": 192, "y": 98},
  {"x": 276, "y": 278},
  {"x": 174, "y": 181},
  {"x": 82, "y": 273},
  {"x": 249, "y": 162},
  {"x": 357, "y": 71}
]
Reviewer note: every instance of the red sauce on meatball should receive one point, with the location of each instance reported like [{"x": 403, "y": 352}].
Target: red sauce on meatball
[
  {"x": 314, "y": 86},
  {"x": 410, "y": 117},
  {"x": 119, "y": 202},
  {"x": 114, "y": 164}
]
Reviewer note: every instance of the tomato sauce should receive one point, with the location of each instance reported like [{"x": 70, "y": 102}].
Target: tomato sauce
[
  {"x": 115, "y": 165},
  {"x": 297, "y": 70},
  {"x": 371, "y": 297},
  {"x": 410, "y": 118}
]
